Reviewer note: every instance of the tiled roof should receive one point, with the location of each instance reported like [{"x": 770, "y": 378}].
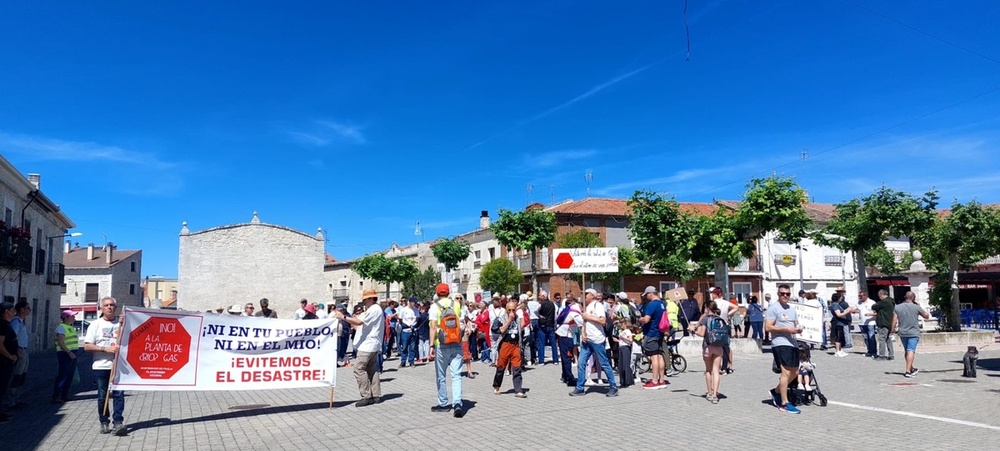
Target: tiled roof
[
  {"x": 597, "y": 206},
  {"x": 76, "y": 258}
]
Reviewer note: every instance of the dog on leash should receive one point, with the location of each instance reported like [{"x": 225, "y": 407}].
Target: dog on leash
[{"x": 969, "y": 360}]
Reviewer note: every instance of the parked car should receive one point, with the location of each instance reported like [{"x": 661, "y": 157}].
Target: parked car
[{"x": 81, "y": 328}]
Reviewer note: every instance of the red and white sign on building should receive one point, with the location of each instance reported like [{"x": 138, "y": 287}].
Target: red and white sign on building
[{"x": 585, "y": 260}]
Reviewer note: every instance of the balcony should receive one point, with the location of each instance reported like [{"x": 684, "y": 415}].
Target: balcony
[
  {"x": 341, "y": 294},
  {"x": 834, "y": 260},
  {"x": 57, "y": 274},
  {"x": 747, "y": 265}
]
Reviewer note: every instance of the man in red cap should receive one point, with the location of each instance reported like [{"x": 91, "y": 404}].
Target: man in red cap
[{"x": 446, "y": 334}]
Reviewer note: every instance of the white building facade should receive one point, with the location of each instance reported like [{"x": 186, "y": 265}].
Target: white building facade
[{"x": 94, "y": 273}]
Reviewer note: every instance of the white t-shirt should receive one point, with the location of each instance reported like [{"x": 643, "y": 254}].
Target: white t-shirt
[
  {"x": 321, "y": 314},
  {"x": 102, "y": 333},
  {"x": 533, "y": 309},
  {"x": 724, "y": 307},
  {"x": 594, "y": 332},
  {"x": 572, "y": 322},
  {"x": 372, "y": 330},
  {"x": 865, "y": 308},
  {"x": 407, "y": 317},
  {"x": 299, "y": 314}
]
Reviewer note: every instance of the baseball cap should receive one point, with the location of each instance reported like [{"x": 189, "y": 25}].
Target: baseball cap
[
  {"x": 591, "y": 291},
  {"x": 66, "y": 313},
  {"x": 622, "y": 295},
  {"x": 649, "y": 289},
  {"x": 442, "y": 289}
]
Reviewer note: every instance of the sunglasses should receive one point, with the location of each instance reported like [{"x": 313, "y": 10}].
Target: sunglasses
[{"x": 784, "y": 293}]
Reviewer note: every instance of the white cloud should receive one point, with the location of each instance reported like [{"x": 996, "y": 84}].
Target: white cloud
[
  {"x": 549, "y": 159},
  {"x": 324, "y": 132}
]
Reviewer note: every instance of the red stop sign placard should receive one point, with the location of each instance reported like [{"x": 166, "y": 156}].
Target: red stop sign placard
[
  {"x": 158, "y": 348},
  {"x": 564, "y": 260}
]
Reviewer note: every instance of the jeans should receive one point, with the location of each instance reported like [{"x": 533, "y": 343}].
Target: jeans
[
  {"x": 387, "y": 345},
  {"x": 103, "y": 378},
  {"x": 848, "y": 341},
  {"x": 869, "y": 333},
  {"x": 533, "y": 342},
  {"x": 758, "y": 329},
  {"x": 597, "y": 349},
  {"x": 424, "y": 348},
  {"x": 449, "y": 357},
  {"x": 64, "y": 376},
  {"x": 546, "y": 335},
  {"x": 884, "y": 345},
  {"x": 342, "y": 342},
  {"x": 407, "y": 347},
  {"x": 566, "y": 349}
]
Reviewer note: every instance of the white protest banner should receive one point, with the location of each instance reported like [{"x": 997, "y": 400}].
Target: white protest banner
[
  {"x": 811, "y": 319},
  {"x": 177, "y": 350},
  {"x": 585, "y": 260}
]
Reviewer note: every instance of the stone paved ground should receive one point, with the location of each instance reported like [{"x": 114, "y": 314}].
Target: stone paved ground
[{"x": 548, "y": 418}]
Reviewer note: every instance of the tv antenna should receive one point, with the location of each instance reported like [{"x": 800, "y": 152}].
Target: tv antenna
[
  {"x": 588, "y": 177},
  {"x": 527, "y": 193}
]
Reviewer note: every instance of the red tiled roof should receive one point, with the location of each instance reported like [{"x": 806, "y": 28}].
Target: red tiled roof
[
  {"x": 77, "y": 258},
  {"x": 597, "y": 206}
]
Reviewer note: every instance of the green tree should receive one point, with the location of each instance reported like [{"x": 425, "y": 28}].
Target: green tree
[
  {"x": 385, "y": 270},
  {"x": 664, "y": 237},
  {"x": 500, "y": 276},
  {"x": 526, "y": 230},
  {"x": 862, "y": 226},
  {"x": 450, "y": 252},
  {"x": 968, "y": 234},
  {"x": 422, "y": 284}
]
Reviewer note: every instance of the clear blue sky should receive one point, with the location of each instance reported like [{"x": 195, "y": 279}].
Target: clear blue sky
[{"x": 365, "y": 117}]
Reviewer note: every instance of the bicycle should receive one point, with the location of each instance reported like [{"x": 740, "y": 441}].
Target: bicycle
[{"x": 677, "y": 361}]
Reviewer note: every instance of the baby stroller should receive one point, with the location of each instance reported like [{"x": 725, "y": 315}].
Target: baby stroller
[{"x": 803, "y": 395}]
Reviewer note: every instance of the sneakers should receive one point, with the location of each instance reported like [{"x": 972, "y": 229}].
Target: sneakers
[
  {"x": 459, "y": 411},
  {"x": 790, "y": 408},
  {"x": 650, "y": 385},
  {"x": 365, "y": 402},
  {"x": 612, "y": 393},
  {"x": 840, "y": 354},
  {"x": 496, "y": 390},
  {"x": 520, "y": 395},
  {"x": 908, "y": 374},
  {"x": 662, "y": 384},
  {"x": 105, "y": 428},
  {"x": 440, "y": 408},
  {"x": 119, "y": 430},
  {"x": 577, "y": 393},
  {"x": 590, "y": 383},
  {"x": 775, "y": 398},
  {"x": 914, "y": 371}
]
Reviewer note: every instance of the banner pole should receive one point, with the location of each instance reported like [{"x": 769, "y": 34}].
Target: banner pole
[
  {"x": 331, "y": 397},
  {"x": 114, "y": 363}
]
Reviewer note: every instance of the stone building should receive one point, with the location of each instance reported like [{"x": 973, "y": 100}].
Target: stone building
[
  {"x": 239, "y": 263},
  {"x": 93, "y": 273},
  {"x": 29, "y": 268}
]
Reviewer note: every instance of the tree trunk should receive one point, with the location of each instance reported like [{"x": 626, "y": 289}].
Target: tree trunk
[
  {"x": 722, "y": 277},
  {"x": 859, "y": 260},
  {"x": 534, "y": 273},
  {"x": 955, "y": 317}
]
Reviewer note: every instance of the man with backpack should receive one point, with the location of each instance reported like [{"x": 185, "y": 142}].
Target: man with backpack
[
  {"x": 592, "y": 342},
  {"x": 446, "y": 332},
  {"x": 652, "y": 338},
  {"x": 568, "y": 322}
]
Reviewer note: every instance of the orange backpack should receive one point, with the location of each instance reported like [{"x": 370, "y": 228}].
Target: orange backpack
[{"x": 450, "y": 327}]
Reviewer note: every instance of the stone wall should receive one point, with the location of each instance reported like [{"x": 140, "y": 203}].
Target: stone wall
[{"x": 241, "y": 263}]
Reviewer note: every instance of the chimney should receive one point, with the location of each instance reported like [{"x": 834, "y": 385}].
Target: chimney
[
  {"x": 36, "y": 180},
  {"x": 484, "y": 219},
  {"x": 109, "y": 255},
  {"x": 90, "y": 251},
  {"x": 66, "y": 247}
]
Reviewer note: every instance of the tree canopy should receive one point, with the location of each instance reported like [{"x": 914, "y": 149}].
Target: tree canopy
[
  {"x": 450, "y": 252},
  {"x": 386, "y": 270},
  {"x": 526, "y": 230},
  {"x": 500, "y": 276},
  {"x": 422, "y": 284}
]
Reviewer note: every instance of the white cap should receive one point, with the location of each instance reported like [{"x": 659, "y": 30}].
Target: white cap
[{"x": 591, "y": 291}]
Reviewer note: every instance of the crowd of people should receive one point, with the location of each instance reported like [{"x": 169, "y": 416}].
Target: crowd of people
[{"x": 601, "y": 339}]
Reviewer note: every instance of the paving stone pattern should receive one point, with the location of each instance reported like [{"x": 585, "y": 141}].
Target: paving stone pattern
[{"x": 299, "y": 419}]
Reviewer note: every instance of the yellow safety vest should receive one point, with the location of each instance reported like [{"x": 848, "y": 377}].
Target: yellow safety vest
[{"x": 72, "y": 341}]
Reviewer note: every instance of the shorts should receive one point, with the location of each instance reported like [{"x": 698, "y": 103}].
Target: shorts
[
  {"x": 652, "y": 346},
  {"x": 786, "y": 356},
  {"x": 910, "y": 343},
  {"x": 837, "y": 334},
  {"x": 711, "y": 351}
]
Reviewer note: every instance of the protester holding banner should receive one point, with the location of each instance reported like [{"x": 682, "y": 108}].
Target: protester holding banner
[
  {"x": 102, "y": 340},
  {"x": 371, "y": 331}
]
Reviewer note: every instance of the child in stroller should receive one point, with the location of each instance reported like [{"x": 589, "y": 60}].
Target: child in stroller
[{"x": 804, "y": 390}]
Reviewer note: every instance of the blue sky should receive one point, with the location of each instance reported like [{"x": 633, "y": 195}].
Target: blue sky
[{"x": 365, "y": 118}]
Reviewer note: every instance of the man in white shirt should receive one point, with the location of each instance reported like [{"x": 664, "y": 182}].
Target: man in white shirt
[
  {"x": 369, "y": 345},
  {"x": 867, "y": 323},
  {"x": 321, "y": 312},
  {"x": 102, "y": 340},
  {"x": 592, "y": 342},
  {"x": 533, "y": 305},
  {"x": 301, "y": 312},
  {"x": 408, "y": 332}
]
